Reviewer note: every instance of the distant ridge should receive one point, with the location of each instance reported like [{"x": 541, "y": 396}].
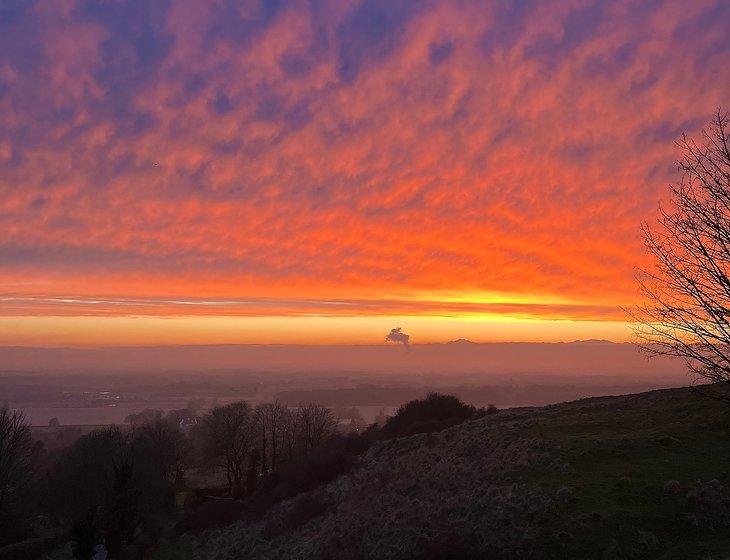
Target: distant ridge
[{"x": 461, "y": 341}]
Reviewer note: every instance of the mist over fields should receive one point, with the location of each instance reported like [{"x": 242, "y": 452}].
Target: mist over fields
[
  {"x": 460, "y": 359},
  {"x": 102, "y": 386}
]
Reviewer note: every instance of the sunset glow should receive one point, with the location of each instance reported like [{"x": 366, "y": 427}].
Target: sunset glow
[{"x": 320, "y": 172}]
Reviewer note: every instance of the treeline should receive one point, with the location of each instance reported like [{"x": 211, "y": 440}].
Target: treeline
[{"x": 117, "y": 485}]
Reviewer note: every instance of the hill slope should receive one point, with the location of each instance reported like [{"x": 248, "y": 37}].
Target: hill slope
[{"x": 611, "y": 477}]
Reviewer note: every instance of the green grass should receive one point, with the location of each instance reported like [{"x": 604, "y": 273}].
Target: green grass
[
  {"x": 620, "y": 452},
  {"x": 614, "y": 455}
]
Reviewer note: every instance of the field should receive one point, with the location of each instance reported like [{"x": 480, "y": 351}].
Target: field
[{"x": 636, "y": 476}]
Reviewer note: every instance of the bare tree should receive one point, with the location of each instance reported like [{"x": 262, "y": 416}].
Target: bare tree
[
  {"x": 115, "y": 480},
  {"x": 687, "y": 295},
  {"x": 97, "y": 482},
  {"x": 289, "y": 433},
  {"x": 165, "y": 441},
  {"x": 16, "y": 461},
  {"x": 16, "y": 451},
  {"x": 271, "y": 419},
  {"x": 228, "y": 434},
  {"x": 315, "y": 424}
]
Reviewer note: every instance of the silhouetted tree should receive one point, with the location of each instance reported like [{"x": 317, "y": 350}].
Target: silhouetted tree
[
  {"x": 227, "y": 434},
  {"x": 253, "y": 471},
  {"x": 687, "y": 295},
  {"x": 112, "y": 481},
  {"x": 314, "y": 424},
  {"x": 166, "y": 444},
  {"x": 93, "y": 484},
  {"x": 289, "y": 434},
  {"x": 16, "y": 461},
  {"x": 271, "y": 419},
  {"x": 16, "y": 451}
]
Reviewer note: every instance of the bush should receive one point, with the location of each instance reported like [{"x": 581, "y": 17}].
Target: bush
[
  {"x": 334, "y": 458},
  {"x": 433, "y": 413},
  {"x": 302, "y": 511}
]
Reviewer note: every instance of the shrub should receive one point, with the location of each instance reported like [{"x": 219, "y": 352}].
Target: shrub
[
  {"x": 302, "y": 511},
  {"x": 433, "y": 413},
  {"x": 334, "y": 458}
]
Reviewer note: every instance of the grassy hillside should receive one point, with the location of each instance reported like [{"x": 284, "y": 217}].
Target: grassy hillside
[{"x": 637, "y": 476}]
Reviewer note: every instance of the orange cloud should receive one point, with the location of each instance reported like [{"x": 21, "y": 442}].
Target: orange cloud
[{"x": 297, "y": 156}]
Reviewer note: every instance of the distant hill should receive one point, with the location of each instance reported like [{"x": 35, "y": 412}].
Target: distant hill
[{"x": 629, "y": 477}]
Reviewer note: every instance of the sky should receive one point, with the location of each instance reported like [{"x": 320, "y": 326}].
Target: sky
[{"x": 174, "y": 172}]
